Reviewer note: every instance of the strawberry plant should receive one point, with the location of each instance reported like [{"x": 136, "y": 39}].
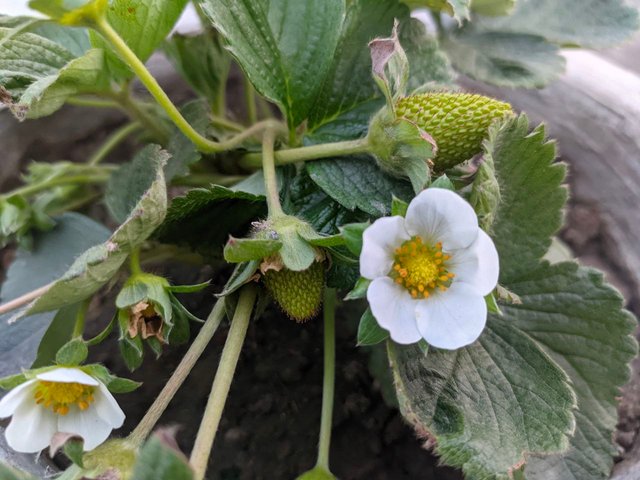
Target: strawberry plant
[{"x": 358, "y": 171}]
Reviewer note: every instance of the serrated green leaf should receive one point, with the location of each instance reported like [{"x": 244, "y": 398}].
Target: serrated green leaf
[
  {"x": 369, "y": 332},
  {"x": 504, "y": 59},
  {"x": 142, "y": 24},
  {"x": 585, "y": 23},
  {"x": 285, "y": 47},
  {"x": 38, "y": 74},
  {"x": 485, "y": 193},
  {"x": 99, "y": 264},
  {"x": 190, "y": 218},
  {"x": 129, "y": 183},
  {"x": 203, "y": 62},
  {"x": 160, "y": 459},
  {"x": 245, "y": 249},
  {"x": 72, "y": 234},
  {"x": 528, "y": 178},
  {"x": 357, "y": 182},
  {"x": 73, "y": 352},
  {"x": 579, "y": 321},
  {"x": 307, "y": 201},
  {"x": 489, "y": 404}
]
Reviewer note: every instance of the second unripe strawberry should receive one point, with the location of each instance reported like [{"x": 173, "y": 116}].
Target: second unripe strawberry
[{"x": 458, "y": 122}]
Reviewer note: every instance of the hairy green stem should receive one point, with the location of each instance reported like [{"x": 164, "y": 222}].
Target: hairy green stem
[
  {"x": 160, "y": 404},
  {"x": 57, "y": 182},
  {"x": 270, "y": 177},
  {"x": 112, "y": 142},
  {"x": 222, "y": 382},
  {"x": 81, "y": 316},
  {"x": 313, "y": 152},
  {"x": 134, "y": 261},
  {"x": 225, "y": 123},
  {"x": 328, "y": 386}
]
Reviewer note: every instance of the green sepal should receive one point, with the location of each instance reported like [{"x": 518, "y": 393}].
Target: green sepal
[
  {"x": 398, "y": 207},
  {"x": 72, "y": 353},
  {"x": 198, "y": 287},
  {"x": 492, "y": 304},
  {"x": 101, "y": 337},
  {"x": 296, "y": 253},
  {"x": 239, "y": 250},
  {"x": 352, "y": 234},
  {"x": 369, "y": 331},
  {"x": 243, "y": 273},
  {"x": 401, "y": 148},
  {"x": 113, "y": 383},
  {"x": 388, "y": 55},
  {"x": 71, "y": 444},
  {"x": 443, "y": 182},
  {"x": 12, "y": 381},
  {"x": 359, "y": 290}
]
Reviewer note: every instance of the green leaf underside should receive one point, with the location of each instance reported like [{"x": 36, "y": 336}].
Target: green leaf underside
[
  {"x": 41, "y": 74},
  {"x": 586, "y": 23},
  {"x": 99, "y": 264},
  {"x": 487, "y": 404},
  {"x": 127, "y": 184},
  {"x": 205, "y": 217},
  {"x": 579, "y": 321},
  {"x": 503, "y": 58},
  {"x": 75, "y": 40},
  {"x": 142, "y": 24},
  {"x": 72, "y": 234}
]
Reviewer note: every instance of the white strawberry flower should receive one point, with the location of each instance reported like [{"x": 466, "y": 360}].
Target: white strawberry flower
[
  {"x": 65, "y": 400},
  {"x": 430, "y": 271}
]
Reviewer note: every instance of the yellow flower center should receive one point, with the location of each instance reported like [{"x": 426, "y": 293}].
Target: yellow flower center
[
  {"x": 421, "y": 268},
  {"x": 59, "y": 396}
]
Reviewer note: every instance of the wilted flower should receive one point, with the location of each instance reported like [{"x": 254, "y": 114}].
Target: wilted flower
[
  {"x": 430, "y": 271},
  {"x": 62, "y": 399}
]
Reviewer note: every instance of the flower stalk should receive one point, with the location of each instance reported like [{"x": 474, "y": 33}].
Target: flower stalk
[
  {"x": 328, "y": 387},
  {"x": 222, "y": 382},
  {"x": 313, "y": 152},
  {"x": 144, "y": 428}
]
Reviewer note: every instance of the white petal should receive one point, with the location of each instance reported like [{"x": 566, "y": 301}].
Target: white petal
[
  {"x": 394, "y": 309},
  {"x": 86, "y": 424},
  {"x": 379, "y": 242},
  {"x": 15, "y": 397},
  {"x": 31, "y": 428},
  {"x": 440, "y": 215},
  {"x": 452, "y": 319},
  {"x": 107, "y": 407},
  {"x": 68, "y": 375},
  {"x": 478, "y": 265}
]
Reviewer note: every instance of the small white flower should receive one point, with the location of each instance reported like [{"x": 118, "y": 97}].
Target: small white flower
[
  {"x": 60, "y": 400},
  {"x": 430, "y": 271}
]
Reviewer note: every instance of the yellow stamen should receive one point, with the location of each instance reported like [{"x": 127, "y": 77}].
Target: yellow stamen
[
  {"x": 421, "y": 267},
  {"x": 61, "y": 396}
]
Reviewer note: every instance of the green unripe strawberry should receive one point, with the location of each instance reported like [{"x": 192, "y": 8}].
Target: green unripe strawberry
[
  {"x": 458, "y": 122},
  {"x": 299, "y": 294}
]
